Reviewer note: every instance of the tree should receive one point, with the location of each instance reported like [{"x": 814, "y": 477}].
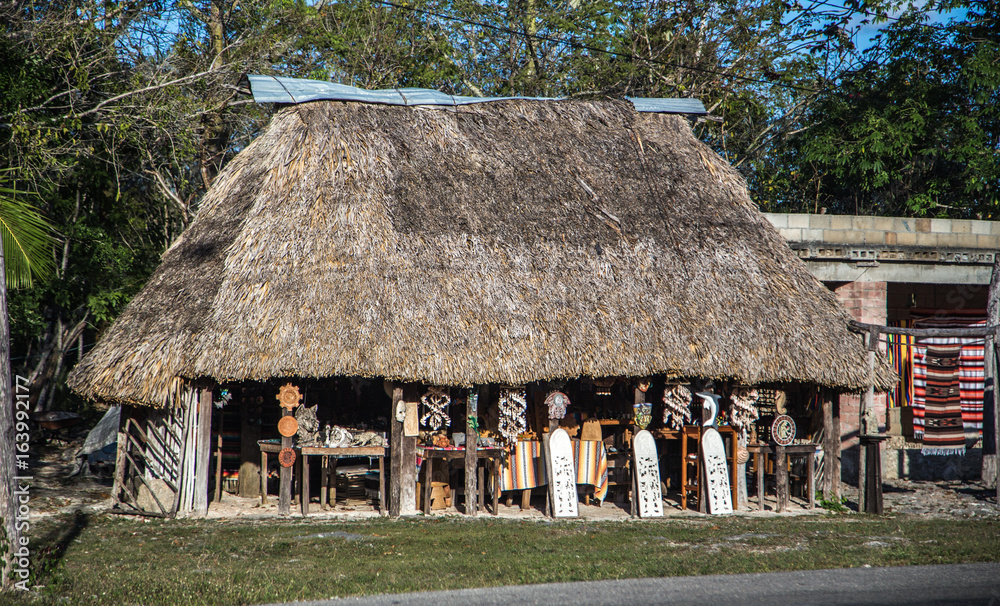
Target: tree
[
  {"x": 27, "y": 238},
  {"x": 119, "y": 115},
  {"x": 914, "y": 130}
]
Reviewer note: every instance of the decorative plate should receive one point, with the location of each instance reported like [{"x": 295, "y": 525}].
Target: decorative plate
[
  {"x": 289, "y": 397},
  {"x": 286, "y": 457},
  {"x": 783, "y": 430},
  {"x": 288, "y": 426}
]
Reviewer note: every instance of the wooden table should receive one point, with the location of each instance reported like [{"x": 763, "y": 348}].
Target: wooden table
[
  {"x": 781, "y": 471},
  {"x": 265, "y": 448},
  {"x": 689, "y": 432},
  {"x": 312, "y": 451},
  {"x": 486, "y": 454}
]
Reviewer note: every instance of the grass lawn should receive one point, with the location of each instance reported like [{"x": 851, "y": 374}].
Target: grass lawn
[{"x": 108, "y": 559}]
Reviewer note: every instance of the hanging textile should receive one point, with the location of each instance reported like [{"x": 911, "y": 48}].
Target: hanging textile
[
  {"x": 971, "y": 370},
  {"x": 900, "y": 354},
  {"x": 943, "y": 431}
]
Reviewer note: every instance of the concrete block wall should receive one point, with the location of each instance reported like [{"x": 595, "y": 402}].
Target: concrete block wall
[{"x": 887, "y": 231}]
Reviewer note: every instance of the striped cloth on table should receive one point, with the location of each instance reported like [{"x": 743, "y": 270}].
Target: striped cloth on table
[
  {"x": 592, "y": 466},
  {"x": 526, "y": 469},
  {"x": 971, "y": 371}
]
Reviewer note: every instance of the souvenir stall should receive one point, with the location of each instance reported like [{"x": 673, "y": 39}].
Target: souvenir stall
[
  {"x": 310, "y": 442},
  {"x": 451, "y": 273}
]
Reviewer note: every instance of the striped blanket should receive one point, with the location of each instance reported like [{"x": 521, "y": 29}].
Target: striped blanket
[
  {"x": 970, "y": 371},
  {"x": 526, "y": 468},
  {"x": 943, "y": 431},
  {"x": 899, "y": 349}
]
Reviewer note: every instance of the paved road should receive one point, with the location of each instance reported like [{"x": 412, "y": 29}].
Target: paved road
[{"x": 927, "y": 585}]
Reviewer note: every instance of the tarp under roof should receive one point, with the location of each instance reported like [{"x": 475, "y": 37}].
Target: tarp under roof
[{"x": 277, "y": 89}]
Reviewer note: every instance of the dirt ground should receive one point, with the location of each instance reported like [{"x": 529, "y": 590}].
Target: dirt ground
[{"x": 54, "y": 491}]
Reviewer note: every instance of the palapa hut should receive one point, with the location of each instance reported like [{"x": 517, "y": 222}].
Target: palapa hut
[{"x": 507, "y": 242}]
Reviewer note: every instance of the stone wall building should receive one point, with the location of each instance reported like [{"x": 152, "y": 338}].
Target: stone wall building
[{"x": 890, "y": 270}]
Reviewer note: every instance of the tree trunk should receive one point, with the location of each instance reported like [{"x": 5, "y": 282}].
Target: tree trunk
[
  {"x": 55, "y": 344},
  {"x": 10, "y": 538}
]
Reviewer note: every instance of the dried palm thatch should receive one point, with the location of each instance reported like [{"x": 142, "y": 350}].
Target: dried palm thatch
[{"x": 501, "y": 243}]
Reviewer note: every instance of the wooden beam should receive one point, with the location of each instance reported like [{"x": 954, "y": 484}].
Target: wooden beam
[
  {"x": 861, "y": 327},
  {"x": 203, "y": 449}
]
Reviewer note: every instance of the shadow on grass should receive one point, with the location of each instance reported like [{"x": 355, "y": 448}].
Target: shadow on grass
[{"x": 51, "y": 548}]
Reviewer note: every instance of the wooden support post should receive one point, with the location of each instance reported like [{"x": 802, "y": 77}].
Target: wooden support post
[
  {"x": 119, "y": 483},
  {"x": 991, "y": 418},
  {"x": 408, "y": 474},
  {"x": 304, "y": 483},
  {"x": 218, "y": 459},
  {"x": 831, "y": 447},
  {"x": 428, "y": 482},
  {"x": 285, "y": 476},
  {"x": 836, "y": 441},
  {"x": 203, "y": 458},
  {"x": 781, "y": 478},
  {"x": 867, "y": 467},
  {"x": 811, "y": 475},
  {"x": 324, "y": 483},
  {"x": 471, "y": 452},
  {"x": 996, "y": 423},
  {"x": 263, "y": 478},
  {"x": 759, "y": 460},
  {"x": 382, "y": 510},
  {"x": 989, "y": 469},
  {"x": 395, "y": 454},
  {"x": 862, "y": 476}
]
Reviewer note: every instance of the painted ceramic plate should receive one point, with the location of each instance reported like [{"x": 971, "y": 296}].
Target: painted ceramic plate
[
  {"x": 288, "y": 426},
  {"x": 783, "y": 430},
  {"x": 286, "y": 457}
]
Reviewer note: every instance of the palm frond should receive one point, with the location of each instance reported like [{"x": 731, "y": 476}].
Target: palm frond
[{"x": 27, "y": 240}]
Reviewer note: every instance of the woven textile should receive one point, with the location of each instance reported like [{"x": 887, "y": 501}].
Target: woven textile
[
  {"x": 900, "y": 354},
  {"x": 943, "y": 431},
  {"x": 592, "y": 466},
  {"x": 526, "y": 469},
  {"x": 971, "y": 371}
]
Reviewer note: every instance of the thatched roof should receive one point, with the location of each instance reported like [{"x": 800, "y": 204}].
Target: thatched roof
[{"x": 500, "y": 243}]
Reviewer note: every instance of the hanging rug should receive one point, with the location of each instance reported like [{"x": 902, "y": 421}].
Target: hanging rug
[{"x": 943, "y": 430}]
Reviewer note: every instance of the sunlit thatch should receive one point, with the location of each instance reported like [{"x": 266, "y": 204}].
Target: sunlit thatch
[{"x": 501, "y": 243}]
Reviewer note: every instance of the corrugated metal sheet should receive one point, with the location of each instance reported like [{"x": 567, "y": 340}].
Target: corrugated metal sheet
[
  {"x": 668, "y": 106},
  {"x": 277, "y": 89}
]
